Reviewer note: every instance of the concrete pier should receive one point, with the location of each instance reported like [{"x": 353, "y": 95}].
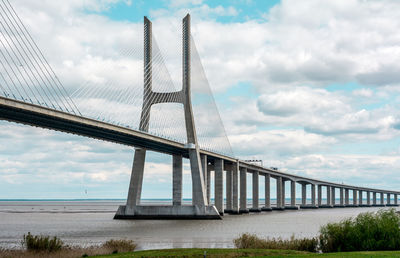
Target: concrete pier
[
  {"x": 360, "y": 198},
  {"x": 293, "y": 193},
  {"x": 243, "y": 191},
  {"x": 368, "y": 198},
  {"x": 208, "y": 183},
  {"x": 374, "y": 198},
  {"x": 388, "y": 199},
  {"x": 177, "y": 173},
  {"x": 329, "y": 196},
  {"x": 355, "y": 197},
  {"x": 279, "y": 205},
  {"x": 333, "y": 202},
  {"x": 229, "y": 189},
  {"x": 319, "y": 195},
  {"x": 267, "y": 206},
  {"x": 395, "y": 200},
  {"x": 313, "y": 203},
  {"x": 346, "y": 197},
  {"x": 341, "y": 197},
  {"x": 235, "y": 188},
  {"x": 256, "y": 206},
  {"x": 303, "y": 194},
  {"x": 219, "y": 186}
]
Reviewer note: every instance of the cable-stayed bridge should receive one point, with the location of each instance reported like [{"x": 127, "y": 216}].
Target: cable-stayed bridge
[{"x": 150, "y": 113}]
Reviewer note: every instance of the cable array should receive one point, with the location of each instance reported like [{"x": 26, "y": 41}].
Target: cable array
[
  {"x": 114, "y": 94},
  {"x": 211, "y": 132},
  {"x": 25, "y": 74}
]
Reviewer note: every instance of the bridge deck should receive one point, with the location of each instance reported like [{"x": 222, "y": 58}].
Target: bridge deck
[{"x": 34, "y": 115}]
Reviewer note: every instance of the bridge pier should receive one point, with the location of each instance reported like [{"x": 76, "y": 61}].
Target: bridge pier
[
  {"x": 346, "y": 197},
  {"x": 255, "y": 187},
  {"x": 243, "y": 191},
  {"x": 355, "y": 198},
  {"x": 341, "y": 197},
  {"x": 395, "y": 199},
  {"x": 360, "y": 198},
  {"x": 319, "y": 195},
  {"x": 229, "y": 188},
  {"x": 235, "y": 188},
  {"x": 267, "y": 205},
  {"x": 177, "y": 173},
  {"x": 313, "y": 204},
  {"x": 279, "y": 202}
]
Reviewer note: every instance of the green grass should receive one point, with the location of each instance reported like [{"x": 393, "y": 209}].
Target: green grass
[{"x": 196, "y": 252}]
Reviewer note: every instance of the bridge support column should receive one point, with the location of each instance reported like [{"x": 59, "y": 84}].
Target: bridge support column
[
  {"x": 229, "y": 188},
  {"x": 395, "y": 200},
  {"x": 135, "y": 185},
  {"x": 328, "y": 196},
  {"x": 219, "y": 186},
  {"x": 368, "y": 198},
  {"x": 267, "y": 206},
  {"x": 293, "y": 193},
  {"x": 279, "y": 205},
  {"x": 313, "y": 195},
  {"x": 204, "y": 166},
  {"x": 283, "y": 193},
  {"x": 209, "y": 169},
  {"x": 177, "y": 173},
  {"x": 319, "y": 195},
  {"x": 373, "y": 198},
  {"x": 388, "y": 199},
  {"x": 347, "y": 199},
  {"x": 355, "y": 197},
  {"x": 243, "y": 190},
  {"x": 235, "y": 188},
  {"x": 333, "y": 194},
  {"x": 292, "y": 205},
  {"x": 256, "y": 207},
  {"x": 341, "y": 197},
  {"x": 360, "y": 198},
  {"x": 382, "y": 199},
  {"x": 303, "y": 194}
]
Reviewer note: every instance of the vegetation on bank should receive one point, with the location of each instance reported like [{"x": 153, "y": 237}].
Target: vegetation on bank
[
  {"x": 246, "y": 241},
  {"x": 368, "y": 231}
]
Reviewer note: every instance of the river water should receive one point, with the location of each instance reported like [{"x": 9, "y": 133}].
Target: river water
[{"x": 86, "y": 223}]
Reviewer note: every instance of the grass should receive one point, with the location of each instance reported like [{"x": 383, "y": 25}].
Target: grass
[
  {"x": 41, "y": 243},
  {"x": 249, "y": 241}
]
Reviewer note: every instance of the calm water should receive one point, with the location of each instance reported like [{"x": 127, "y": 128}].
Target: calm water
[{"x": 91, "y": 223}]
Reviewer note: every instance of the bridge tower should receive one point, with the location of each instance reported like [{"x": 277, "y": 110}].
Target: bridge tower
[{"x": 200, "y": 207}]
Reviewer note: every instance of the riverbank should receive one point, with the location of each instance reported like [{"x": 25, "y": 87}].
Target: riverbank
[
  {"x": 198, "y": 252},
  {"x": 193, "y": 252},
  {"x": 247, "y": 252}
]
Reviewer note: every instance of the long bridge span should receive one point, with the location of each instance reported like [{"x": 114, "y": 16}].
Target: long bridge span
[{"x": 229, "y": 197}]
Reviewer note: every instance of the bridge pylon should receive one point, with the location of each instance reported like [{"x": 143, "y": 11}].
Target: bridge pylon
[{"x": 200, "y": 207}]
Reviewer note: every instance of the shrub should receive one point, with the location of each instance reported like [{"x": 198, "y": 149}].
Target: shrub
[
  {"x": 41, "y": 243},
  {"x": 120, "y": 246},
  {"x": 249, "y": 241},
  {"x": 367, "y": 232}
]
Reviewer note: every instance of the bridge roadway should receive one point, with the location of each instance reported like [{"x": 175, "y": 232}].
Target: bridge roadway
[{"x": 38, "y": 116}]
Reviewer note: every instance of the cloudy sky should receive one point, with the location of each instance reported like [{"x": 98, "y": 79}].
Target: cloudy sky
[{"x": 311, "y": 87}]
